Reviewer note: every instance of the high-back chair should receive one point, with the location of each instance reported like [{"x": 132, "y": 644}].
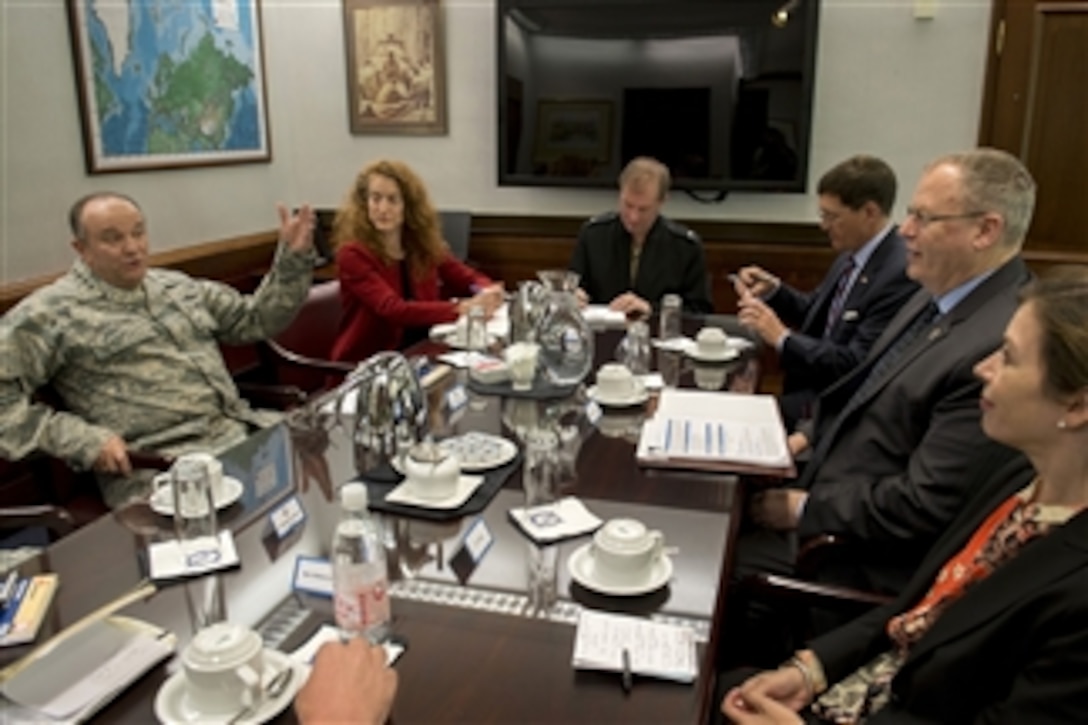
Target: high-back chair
[
  {"x": 299, "y": 356},
  {"x": 456, "y": 230}
]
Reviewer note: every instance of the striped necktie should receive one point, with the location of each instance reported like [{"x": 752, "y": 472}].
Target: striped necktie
[
  {"x": 924, "y": 319},
  {"x": 839, "y": 298}
]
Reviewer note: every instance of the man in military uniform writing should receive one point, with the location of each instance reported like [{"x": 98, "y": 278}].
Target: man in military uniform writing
[
  {"x": 133, "y": 352},
  {"x": 629, "y": 259}
]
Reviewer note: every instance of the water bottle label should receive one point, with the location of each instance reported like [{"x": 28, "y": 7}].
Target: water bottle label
[{"x": 362, "y": 607}]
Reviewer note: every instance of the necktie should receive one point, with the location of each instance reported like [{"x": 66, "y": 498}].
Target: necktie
[
  {"x": 895, "y": 350},
  {"x": 839, "y": 298},
  {"x": 876, "y": 373}
]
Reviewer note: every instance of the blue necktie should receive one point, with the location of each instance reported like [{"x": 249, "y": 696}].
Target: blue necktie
[{"x": 839, "y": 298}]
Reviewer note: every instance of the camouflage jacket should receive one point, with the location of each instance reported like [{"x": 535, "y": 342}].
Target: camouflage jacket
[{"x": 144, "y": 364}]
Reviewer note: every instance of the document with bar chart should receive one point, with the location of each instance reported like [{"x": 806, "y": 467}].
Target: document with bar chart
[{"x": 716, "y": 431}]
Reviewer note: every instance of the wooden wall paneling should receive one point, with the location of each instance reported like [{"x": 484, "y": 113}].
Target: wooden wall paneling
[{"x": 239, "y": 261}]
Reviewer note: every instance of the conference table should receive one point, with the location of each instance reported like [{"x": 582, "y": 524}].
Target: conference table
[{"x": 491, "y": 644}]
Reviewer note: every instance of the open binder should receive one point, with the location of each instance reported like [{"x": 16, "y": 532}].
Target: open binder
[{"x": 716, "y": 431}]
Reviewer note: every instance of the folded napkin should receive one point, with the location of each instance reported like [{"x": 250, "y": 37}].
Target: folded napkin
[
  {"x": 603, "y": 315},
  {"x": 175, "y": 559},
  {"x": 563, "y": 519}
]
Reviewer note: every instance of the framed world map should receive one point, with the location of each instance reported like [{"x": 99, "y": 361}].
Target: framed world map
[{"x": 169, "y": 84}]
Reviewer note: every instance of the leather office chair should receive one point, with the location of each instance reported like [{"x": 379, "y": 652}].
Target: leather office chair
[
  {"x": 299, "y": 356},
  {"x": 456, "y": 230},
  {"x": 811, "y": 607}
]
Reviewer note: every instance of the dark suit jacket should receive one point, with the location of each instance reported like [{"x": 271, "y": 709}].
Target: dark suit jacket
[
  {"x": 888, "y": 470},
  {"x": 672, "y": 262},
  {"x": 811, "y": 362},
  {"x": 1013, "y": 649}
]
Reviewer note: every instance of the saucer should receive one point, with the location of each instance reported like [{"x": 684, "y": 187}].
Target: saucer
[
  {"x": 446, "y": 333},
  {"x": 162, "y": 500},
  {"x": 729, "y": 353},
  {"x": 479, "y": 451},
  {"x": 631, "y": 400},
  {"x": 172, "y": 704},
  {"x": 581, "y": 566},
  {"x": 405, "y": 494}
]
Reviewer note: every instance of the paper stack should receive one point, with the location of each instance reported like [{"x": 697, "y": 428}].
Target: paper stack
[{"x": 716, "y": 431}]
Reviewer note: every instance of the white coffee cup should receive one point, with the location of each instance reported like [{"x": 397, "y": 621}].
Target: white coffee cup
[
  {"x": 710, "y": 377},
  {"x": 431, "y": 475},
  {"x": 223, "y": 666},
  {"x": 712, "y": 342},
  {"x": 211, "y": 464},
  {"x": 624, "y": 552},
  {"x": 521, "y": 358},
  {"x": 616, "y": 382}
]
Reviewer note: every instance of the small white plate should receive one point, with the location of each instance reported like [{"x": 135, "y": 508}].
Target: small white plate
[
  {"x": 631, "y": 400},
  {"x": 162, "y": 500},
  {"x": 172, "y": 704},
  {"x": 480, "y": 451},
  {"x": 581, "y": 568},
  {"x": 446, "y": 333},
  {"x": 406, "y": 494},
  {"x": 729, "y": 353}
]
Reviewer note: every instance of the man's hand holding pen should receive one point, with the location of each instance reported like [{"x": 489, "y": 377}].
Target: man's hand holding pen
[{"x": 753, "y": 280}]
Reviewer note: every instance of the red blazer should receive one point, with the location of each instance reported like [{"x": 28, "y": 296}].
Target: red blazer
[{"x": 375, "y": 311}]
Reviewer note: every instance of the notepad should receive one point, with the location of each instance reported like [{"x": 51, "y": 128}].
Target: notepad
[
  {"x": 21, "y": 617},
  {"x": 664, "y": 651}
]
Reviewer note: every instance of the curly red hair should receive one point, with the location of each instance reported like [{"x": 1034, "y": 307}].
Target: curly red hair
[{"x": 421, "y": 236}]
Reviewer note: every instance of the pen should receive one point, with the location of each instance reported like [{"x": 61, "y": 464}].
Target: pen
[
  {"x": 625, "y": 681},
  {"x": 8, "y": 587}
]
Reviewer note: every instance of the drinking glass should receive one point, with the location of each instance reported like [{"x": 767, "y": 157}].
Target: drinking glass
[
  {"x": 671, "y": 306},
  {"x": 196, "y": 528},
  {"x": 634, "y": 349}
]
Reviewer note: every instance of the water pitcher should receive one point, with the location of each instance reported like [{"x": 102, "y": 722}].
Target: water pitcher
[{"x": 566, "y": 342}]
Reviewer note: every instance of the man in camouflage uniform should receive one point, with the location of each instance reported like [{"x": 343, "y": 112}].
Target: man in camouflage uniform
[
  {"x": 629, "y": 259},
  {"x": 133, "y": 352}
]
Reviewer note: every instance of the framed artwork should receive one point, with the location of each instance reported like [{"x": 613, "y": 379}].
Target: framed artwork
[
  {"x": 573, "y": 131},
  {"x": 166, "y": 85},
  {"x": 396, "y": 67}
]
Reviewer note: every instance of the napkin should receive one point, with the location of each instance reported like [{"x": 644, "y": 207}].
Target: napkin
[
  {"x": 552, "y": 522},
  {"x": 175, "y": 559},
  {"x": 601, "y": 314}
]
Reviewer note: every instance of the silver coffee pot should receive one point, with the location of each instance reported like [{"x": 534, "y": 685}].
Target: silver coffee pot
[{"x": 391, "y": 412}]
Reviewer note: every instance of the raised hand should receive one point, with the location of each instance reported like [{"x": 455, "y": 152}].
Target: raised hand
[{"x": 297, "y": 230}]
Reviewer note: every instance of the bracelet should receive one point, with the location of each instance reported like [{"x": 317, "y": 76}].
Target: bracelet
[{"x": 806, "y": 673}]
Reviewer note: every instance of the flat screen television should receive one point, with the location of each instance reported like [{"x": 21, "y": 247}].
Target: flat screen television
[{"x": 718, "y": 90}]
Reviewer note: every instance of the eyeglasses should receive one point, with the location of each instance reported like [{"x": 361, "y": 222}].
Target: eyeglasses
[
  {"x": 828, "y": 217},
  {"x": 924, "y": 218}
]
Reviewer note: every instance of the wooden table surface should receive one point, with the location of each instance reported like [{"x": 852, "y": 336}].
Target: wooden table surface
[{"x": 467, "y": 661}]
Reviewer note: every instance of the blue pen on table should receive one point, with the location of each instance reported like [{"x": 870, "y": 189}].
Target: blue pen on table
[
  {"x": 687, "y": 436},
  {"x": 8, "y": 611},
  {"x": 721, "y": 440},
  {"x": 626, "y": 680}
]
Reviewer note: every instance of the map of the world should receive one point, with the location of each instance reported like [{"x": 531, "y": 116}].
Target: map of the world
[{"x": 169, "y": 82}]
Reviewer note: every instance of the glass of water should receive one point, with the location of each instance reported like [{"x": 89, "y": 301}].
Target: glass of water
[{"x": 671, "y": 309}]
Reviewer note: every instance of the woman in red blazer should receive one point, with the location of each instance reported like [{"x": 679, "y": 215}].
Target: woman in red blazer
[{"x": 397, "y": 275}]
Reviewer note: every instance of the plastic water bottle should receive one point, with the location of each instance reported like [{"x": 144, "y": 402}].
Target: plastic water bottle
[{"x": 360, "y": 581}]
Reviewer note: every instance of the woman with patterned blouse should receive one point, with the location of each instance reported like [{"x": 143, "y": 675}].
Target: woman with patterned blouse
[{"x": 994, "y": 626}]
